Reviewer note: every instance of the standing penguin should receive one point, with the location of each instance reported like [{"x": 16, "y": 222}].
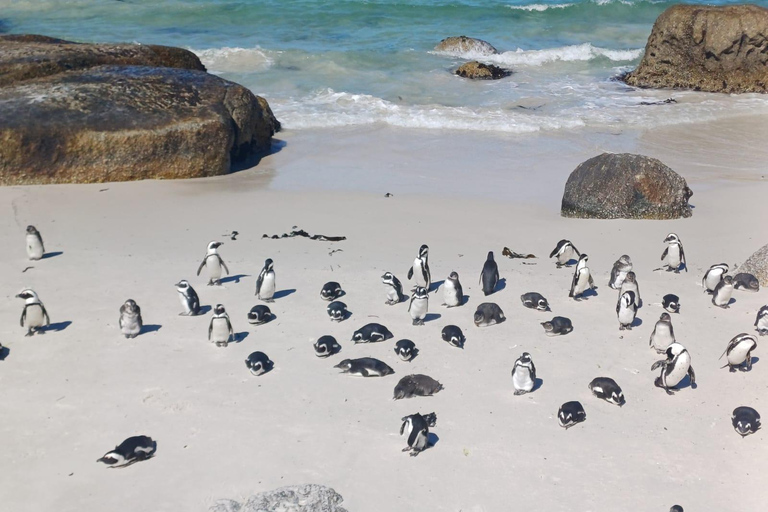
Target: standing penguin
[
  {"x": 265, "y": 283},
  {"x": 619, "y": 271},
  {"x": 213, "y": 263},
  {"x": 565, "y": 252},
  {"x": 452, "y": 292},
  {"x": 394, "y": 288},
  {"x": 489, "y": 277},
  {"x": 35, "y": 247},
  {"x": 739, "y": 351},
  {"x": 416, "y": 429},
  {"x": 130, "y": 451},
  {"x": 420, "y": 268},
  {"x": 582, "y": 279},
  {"x": 630, "y": 285},
  {"x": 625, "y": 310},
  {"x": 524, "y": 374},
  {"x": 190, "y": 302},
  {"x": 721, "y": 297},
  {"x": 33, "y": 316},
  {"x": 674, "y": 368},
  {"x": 713, "y": 276},
  {"x": 761, "y": 322},
  {"x": 419, "y": 305},
  {"x": 130, "y": 321},
  {"x": 673, "y": 256},
  {"x": 663, "y": 335},
  {"x": 220, "y": 329}
]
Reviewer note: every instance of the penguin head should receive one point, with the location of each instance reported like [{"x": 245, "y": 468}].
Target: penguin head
[
  {"x": 490, "y": 256},
  {"x": 627, "y": 298},
  {"x": 420, "y": 293},
  {"x": 617, "y": 397},
  {"x": 345, "y": 365},
  {"x": 583, "y": 258},
  {"x": 358, "y": 336},
  {"x": 31, "y": 230},
  {"x": 542, "y": 305},
  {"x": 423, "y": 251},
  {"x": 212, "y": 246},
  {"x": 479, "y": 317},
  {"x": 111, "y": 458},
  {"x": 665, "y": 317},
  {"x": 672, "y": 239},
  {"x": 674, "y": 350},
  {"x": 631, "y": 277},
  {"x": 130, "y": 305},
  {"x": 548, "y": 326},
  {"x": 219, "y": 309},
  {"x": 525, "y": 358},
  {"x": 182, "y": 285},
  {"x": 728, "y": 280},
  {"x": 268, "y": 264},
  {"x": 453, "y": 276},
  {"x": 430, "y": 419},
  {"x": 399, "y": 392},
  {"x": 743, "y": 428},
  {"x": 625, "y": 259},
  {"x": 27, "y": 294}
]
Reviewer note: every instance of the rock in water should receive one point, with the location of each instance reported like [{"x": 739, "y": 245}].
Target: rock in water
[
  {"x": 296, "y": 498},
  {"x": 706, "y": 48},
  {"x": 757, "y": 265},
  {"x": 464, "y": 44},
  {"x": 479, "y": 71},
  {"x": 625, "y": 186}
]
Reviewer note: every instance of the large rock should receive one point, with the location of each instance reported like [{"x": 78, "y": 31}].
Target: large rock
[
  {"x": 297, "y": 498},
  {"x": 479, "y": 71},
  {"x": 757, "y": 265},
  {"x": 625, "y": 186},
  {"x": 464, "y": 44},
  {"x": 707, "y": 48}
]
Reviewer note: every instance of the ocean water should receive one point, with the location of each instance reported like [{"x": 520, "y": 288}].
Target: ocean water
[{"x": 348, "y": 63}]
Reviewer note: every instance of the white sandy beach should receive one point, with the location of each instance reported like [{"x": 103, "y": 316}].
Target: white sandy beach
[{"x": 69, "y": 396}]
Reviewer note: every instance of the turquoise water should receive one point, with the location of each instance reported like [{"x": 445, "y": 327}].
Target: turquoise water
[{"x": 352, "y": 62}]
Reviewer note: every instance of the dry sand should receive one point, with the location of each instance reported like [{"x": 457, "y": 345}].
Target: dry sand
[{"x": 71, "y": 395}]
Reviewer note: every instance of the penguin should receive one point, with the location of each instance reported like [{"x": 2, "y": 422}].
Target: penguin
[
  {"x": 571, "y": 413},
  {"x": 746, "y": 282},
  {"x": 489, "y": 277},
  {"x": 676, "y": 508},
  {"x": 663, "y": 334},
  {"x": 406, "y": 350},
  {"x": 331, "y": 291},
  {"x": 721, "y": 297},
  {"x": 337, "y": 310},
  {"x": 258, "y": 363},
  {"x": 419, "y": 305},
  {"x": 453, "y": 335},
  {"x": 420, "y": 268},
  {"x": 582, "y": 279},
  {"x": 34, "y": 316},
  {"x": 630, "y": 285},
  {"x": 619, "y": 271},
  {"x": 130, "y": 451},
  {"x": 394, "y": 290},
  {"x": 673, "y": 256},
  {"x": 761, "y": 322},
  {"x": 564, "y": 250},
  {"x": 524, "y": 374},
  {"x": 558, "y": 326},
  {"x": 488, "y": 314},
  {"x": 220, "y": 329},
  {"x": 130, "y": 319},
  {"x": 674, "y": 368},
  {"x": 671, "y": 303},
  {"x": 605, "y": 388},
  {"x": 265, "y": 283},
  {"x": 259, "y": 314},
  {"x": 365, "y": 367},
  {"x": 35, "y": 247},
  {"x": 190, "y": 302},
  {"x": 453, "y": 294},
  {"x": 326, "y": 346},
  {"x": 739, "y": 351},
  {"x": 625, "y": 310},
  {"x": 371, "y": 333},
  {"x": 713, "y": 276},
  {"x": 416, "y": 430},
  {"x": 416, "y": 385},
  {"x": 745, "y": 421},
  {"x": 213, "y": 263},
  {"x": 533, "y": 300}
]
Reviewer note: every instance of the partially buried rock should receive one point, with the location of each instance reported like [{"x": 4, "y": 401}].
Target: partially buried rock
[
  {"x": 479, "y": 71},
  {"x": 757, "y": 265},
  {"x": 295, "y": 498},
  {"x": 625, "y": 186},
  {"x": 464, "y": 44}
]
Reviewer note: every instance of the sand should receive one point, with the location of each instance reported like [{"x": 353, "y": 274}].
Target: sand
[{"x": 71, "y": 395}]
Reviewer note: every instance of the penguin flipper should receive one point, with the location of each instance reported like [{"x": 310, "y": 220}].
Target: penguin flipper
[
  {"x": 24, "y": 316},
  {"x": 402, "y": 428},
  {"x": 45, "y": 315},
  {"x": 576, "y": 250},
  {"x": 692, "y": 375},
  {"x": 658, "y": 364},
  {"x": 575, "y": 280},
  {"x": 410, "y": 273},
  {"x": 259, "y": 282},
  {"x": 229, "y": 326},
  {"x": 682, "y": 257},
  {"x": 664, "y": 254},
  {"x": 224, "y": 265},
  {"x": 210, "y": 329},
  {"x": 202, "y": 264}
]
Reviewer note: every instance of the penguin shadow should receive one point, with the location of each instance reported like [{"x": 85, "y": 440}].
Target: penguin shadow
[
  {"x": 637, "y": 322},
  {"x": 429, "y": 317},
  {"x": 204, "y": 310},
  {"x": 755, "y": 359},
  {"x": 233, "y": 279},
  {"x": 537, "y": 384},
  {"x": 239, "y": 336},
  {"x": 58, "y": 326},
  {"x": 464, "y": 300},
  {"x": 4, "y": 352},
  {"x": 500, "y": 285},
  {"x": 592, "y": 292},
  {"x": 432, "y": 439},
  {"x": 51, "y": 255},
  {"x": 436, "y": 286},
  {"x": 284, "y": 293},
  {"x": 147, "y": 328},
  {"x": 685, "y": 383}
]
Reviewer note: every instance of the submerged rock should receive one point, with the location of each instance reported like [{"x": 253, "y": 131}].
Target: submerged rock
[
  {"x": 479, "y": 71},
  {"x": 296, "y": 498},
  {"x": 625, "y": 186},
  {"x": 464, "y": 44},
  {"x": 757, "y": 265}
]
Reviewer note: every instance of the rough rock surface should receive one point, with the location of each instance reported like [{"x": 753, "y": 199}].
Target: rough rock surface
[
  {"x": 297, "y": 498},
  {"x": 625, "y": 186},
  {"x": 757, "y": 265},
  {"x": 479, "y": 71},
  {"x": 707, "y": 48},
  {"x": 464, "y": 44}
]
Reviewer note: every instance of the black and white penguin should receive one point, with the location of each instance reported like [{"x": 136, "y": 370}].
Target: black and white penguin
[
  {"x": 571, "y": 413},
  {"x": 745, "y": 420},
  {"x": 265, "y": 283},
  {"x": 258, "y": 363},
  {"x": 626, "y": 310},
  {"x": 130, "y": 321},
  {"x": 416, "y": 430},
  {"x": 663, "y": 334},
  {"x": 35, "y": 247},
  {"x": 630, "y": 285},
  {"x": 489, "y": 277},
  {"x": 487, "y": 314},
  {"x": 365, "y": 367},
  {"x": 453, "y": 335},
  {"x": 619, "y": 272},
  {"x": 453, "y": 294},
  {"x": 676, "y": 508},
  {"x": 564, "y": 251},
  {"x": 213, "y": 264},
  {"x": 721, "y": 297},
  {"x": 337, "y": 310},
  {"x": 671, "y": 303},
  {"x": 673, "y": 256},
  {"x": 34, "y": 316},
  {"x": 331, "y": 291},
  {"x": 558, "y": 326},
  {"x": 761, "y": 322},
  {"x": 605, "y": 388},
  {"x": 416, "y": 385},
  {"x": 524, "y": 374},
  {"x": 420, "y": 268},
  {"x": 130, "y": 451},
  {"x": 534, "y": 300},
  {"x": 713, "y": 276},
  {"x": 220, "y": 329},
  {"x": 394, "y": 288},
  {"x": 674, "y": 368},
  {"x": 582, "y": 279},
  {"x": 739, "y": 352},
  {"x": 406, "y": 350},
  {"x": 746, "y": 282},
  {"x": 326, "y": 346},
  {"x": 259, "y": 314},
  {"x": 190, "y": 302},
  {"x": 371, "y": 333},
  {"x": 419, "y": 305}
]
